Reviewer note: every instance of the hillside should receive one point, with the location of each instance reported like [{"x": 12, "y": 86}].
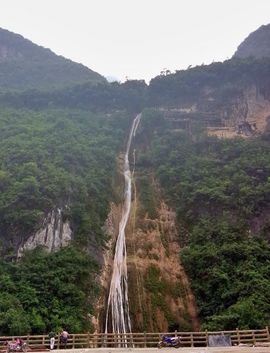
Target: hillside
[
  {"x": 256, "y": 45},
  {"x": 220, "y": 192},
  {"x": 198, "y": 233},
  {"x": 229, "y": 99},
  {"x": 25, "y": 65}
]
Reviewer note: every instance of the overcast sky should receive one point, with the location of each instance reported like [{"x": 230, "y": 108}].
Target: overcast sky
[{"x": 136, "y": 39}]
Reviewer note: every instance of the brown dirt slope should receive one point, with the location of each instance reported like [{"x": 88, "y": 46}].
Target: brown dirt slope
[{"x": 160, "y": 296}]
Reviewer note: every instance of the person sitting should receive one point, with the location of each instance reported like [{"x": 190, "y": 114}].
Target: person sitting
[
  {"x": 15, "y": 345},
  {"x": 19, "y": 343},
  {"x": 11, "y": 346}
]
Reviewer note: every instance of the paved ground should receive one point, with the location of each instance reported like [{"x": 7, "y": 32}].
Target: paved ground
[{"x": 172, "y": 350}]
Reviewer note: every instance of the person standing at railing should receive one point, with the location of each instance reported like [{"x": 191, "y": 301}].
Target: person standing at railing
[
  {"x": 63, "y": 338},
  {"x": 52, "y": 339}
]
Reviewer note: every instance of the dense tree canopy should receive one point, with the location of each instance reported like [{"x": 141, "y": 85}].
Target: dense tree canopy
[{"x": 62, "y": 296}]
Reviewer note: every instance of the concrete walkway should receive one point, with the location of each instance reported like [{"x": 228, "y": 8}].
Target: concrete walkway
[{"x": 235, "y": 349}]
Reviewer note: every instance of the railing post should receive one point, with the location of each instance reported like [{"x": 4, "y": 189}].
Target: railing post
[
  {"x": 73, "y": 341},
  {"x": 267, "y": 333},
  {"x": 191, "y": 340},
  {"x": 58, "y": 341},
  {"x": 238, "y": 336},
  {"x": 88, "y": 340},
  {"x": 144, "y": 338},
  {"x": 206, "y": 337}
]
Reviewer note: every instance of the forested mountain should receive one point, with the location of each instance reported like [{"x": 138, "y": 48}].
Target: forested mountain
[
  {"x": 256, "y": 45},
  {"x": 199, "y": 231},
  {"x": 25, "y": 65}
]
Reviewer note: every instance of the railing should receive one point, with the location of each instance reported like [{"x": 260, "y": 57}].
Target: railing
[{"x": 144, "y": 340}]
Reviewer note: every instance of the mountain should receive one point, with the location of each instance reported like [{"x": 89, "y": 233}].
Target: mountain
[
  {"x": 25, "y": 65},
  {"x": 198, "y": 254},
  {"x": 256, "y": 45}
]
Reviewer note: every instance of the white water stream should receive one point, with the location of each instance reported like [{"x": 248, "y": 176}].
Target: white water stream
[{"x": 117, "y": 315}]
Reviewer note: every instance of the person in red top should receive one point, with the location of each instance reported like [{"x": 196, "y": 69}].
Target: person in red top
[
  {"x": 16, "y": 346},
  {"x": 19, "y": 343}
]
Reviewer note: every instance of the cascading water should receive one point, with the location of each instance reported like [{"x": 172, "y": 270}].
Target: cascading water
[{"x": 117, "y": 315}]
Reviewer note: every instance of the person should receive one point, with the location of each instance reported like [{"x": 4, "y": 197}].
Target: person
[
  {"x": 16, "y": 346},
  {"x": 19, "y": 343},
  {"x": 11, "y": 346},
  {"x": 63, "y": 338},
  {"x": 52, "y": 339}
]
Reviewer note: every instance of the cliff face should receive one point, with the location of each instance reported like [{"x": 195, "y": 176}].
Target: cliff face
[
  {"x": 256, "y": 45},
  {"x": 54, "y": 234},
  {"x": 245, "y": 116}
]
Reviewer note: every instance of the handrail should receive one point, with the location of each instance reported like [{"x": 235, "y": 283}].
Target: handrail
[{"x": 144, "y": 339}]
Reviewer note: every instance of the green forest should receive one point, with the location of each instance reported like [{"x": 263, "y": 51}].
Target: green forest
[{"x": 62, "y": 296}]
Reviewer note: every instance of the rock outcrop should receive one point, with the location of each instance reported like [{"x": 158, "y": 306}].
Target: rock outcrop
[
  {"x": 246, "y": 116},
  {"x": 54, "y": 234}
]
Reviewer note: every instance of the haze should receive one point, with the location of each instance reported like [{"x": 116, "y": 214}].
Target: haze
[{"x": 136, "y": 39}]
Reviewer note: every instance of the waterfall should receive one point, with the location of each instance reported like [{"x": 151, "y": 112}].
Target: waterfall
[{"x": 117, "y": 315}]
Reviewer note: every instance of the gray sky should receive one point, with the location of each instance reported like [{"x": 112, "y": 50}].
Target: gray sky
[{"x": 136, "y": 39}]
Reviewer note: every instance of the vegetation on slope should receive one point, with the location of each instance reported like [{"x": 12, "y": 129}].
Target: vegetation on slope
[
  {"x": 103, "y": 97},
  {"x": 256, "y": 45},
  {"x": 218, "y": 188},
  {"x": 55, "y": 158},
  {"x": 220, "y": 81},
  {"x": 25, "y": 65},
  {"x": 44, "y": 292}
]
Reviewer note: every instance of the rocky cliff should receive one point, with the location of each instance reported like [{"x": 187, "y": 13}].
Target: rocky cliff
[
  {"x": 247, "y": 116},
  {"x": 54, "y": 234}
]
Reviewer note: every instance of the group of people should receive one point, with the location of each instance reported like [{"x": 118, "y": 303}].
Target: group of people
[
  {"x": 63, "y": 337},
  {"x": 16, "y": 345}
]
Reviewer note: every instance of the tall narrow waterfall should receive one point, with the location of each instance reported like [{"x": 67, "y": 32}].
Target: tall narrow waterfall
[{"x": 117, "y": 315}]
